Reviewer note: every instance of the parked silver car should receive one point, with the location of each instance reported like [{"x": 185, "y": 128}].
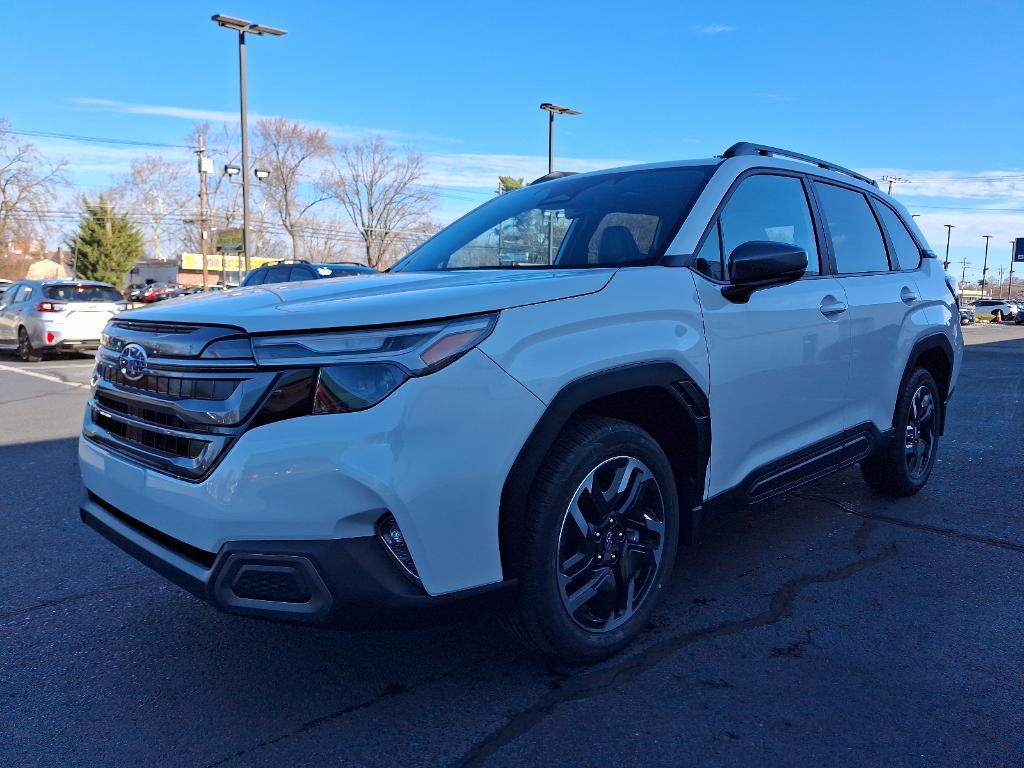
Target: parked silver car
[{"x": 37, "y": 316}]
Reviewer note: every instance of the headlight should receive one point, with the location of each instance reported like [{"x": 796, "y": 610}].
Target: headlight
[
  {"x": 345, "y": 371},
  {"x": 418, "y": 349}
]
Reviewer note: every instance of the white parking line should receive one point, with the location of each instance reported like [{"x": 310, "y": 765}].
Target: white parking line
[{"x": 43, "y": 376}]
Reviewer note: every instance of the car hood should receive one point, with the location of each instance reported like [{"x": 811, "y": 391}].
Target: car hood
[{"x": 380, "y": 299}]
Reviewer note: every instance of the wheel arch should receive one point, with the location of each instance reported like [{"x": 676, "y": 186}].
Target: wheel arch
[
  {"x": 934, "y": 353},
  {"x": 659, "y": 397}
]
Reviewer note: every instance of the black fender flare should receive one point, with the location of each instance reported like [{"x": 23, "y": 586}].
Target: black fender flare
[
  {"x": 576, "y": 395},
  {"x": 933, "y": 341}
]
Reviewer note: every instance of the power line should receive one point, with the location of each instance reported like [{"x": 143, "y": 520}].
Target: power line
[{"x": 96, "y": 139}]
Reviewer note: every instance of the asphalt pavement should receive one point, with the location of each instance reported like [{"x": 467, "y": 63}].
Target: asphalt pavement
[{"x": 830, "y": 627}]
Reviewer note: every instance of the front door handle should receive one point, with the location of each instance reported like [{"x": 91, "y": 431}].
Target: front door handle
[
  {"x": 831, "y": 306},
  {"x": 908, "y": 295}
]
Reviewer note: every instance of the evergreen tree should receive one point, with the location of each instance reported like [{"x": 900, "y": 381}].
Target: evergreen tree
[
  {"x": 508, "y": 184},
  {"x": 107, "y": 243}
]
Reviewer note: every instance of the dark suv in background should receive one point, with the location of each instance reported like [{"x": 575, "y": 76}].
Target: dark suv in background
[{"x": 292, "y": 271}]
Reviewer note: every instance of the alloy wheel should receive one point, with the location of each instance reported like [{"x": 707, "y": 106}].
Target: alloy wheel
[
  {"x": 611, "y": 544},
  {"x": 921, "y": 432}
]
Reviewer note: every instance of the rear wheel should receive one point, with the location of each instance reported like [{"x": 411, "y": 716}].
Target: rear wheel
[
  {"x": 903, "y": 468},
  {"x": 26, "y": 351},
  {"x": 600, "y": 541}
]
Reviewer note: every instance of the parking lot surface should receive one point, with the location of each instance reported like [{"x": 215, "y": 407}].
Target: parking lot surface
[{"x": 826, "y": 627}]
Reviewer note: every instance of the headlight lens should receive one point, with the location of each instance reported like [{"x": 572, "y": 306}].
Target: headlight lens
[
  {"x": 348, "y": 371},
  {"x": 416, "y": 348}
]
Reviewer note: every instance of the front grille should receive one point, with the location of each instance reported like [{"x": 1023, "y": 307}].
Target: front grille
[
  {"x": 170, "y": 386},
  {"x": 186, "y": 411},
  {"x": 169, "y": 445}
]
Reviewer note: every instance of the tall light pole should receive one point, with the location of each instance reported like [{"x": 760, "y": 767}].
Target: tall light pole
[
  {"x": 949, "y": 231},
  {"x": 552, "y": 110},
  {"x": 984, "y": 266},
  {"x": 244, "y": 27}
]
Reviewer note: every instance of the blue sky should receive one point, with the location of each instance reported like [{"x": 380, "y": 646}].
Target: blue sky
[{"x": 928, "y": 91}]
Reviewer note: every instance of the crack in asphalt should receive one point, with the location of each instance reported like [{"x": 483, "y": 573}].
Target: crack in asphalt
[
  {"x": 589, "y": 684},
  {"x": 390, "y": 690},
  {"x": 991, "y": 541},
  {"x": 77, "y": 596}
]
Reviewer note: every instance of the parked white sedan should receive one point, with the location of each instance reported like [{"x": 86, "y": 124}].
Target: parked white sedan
[{"x": 37, "y": 316}]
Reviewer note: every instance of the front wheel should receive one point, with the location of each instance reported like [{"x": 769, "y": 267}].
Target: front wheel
[
  {"x": 26, "y": 351},
  {"x": 600, "y": 541},
  {"x": 903, "y": 467}
]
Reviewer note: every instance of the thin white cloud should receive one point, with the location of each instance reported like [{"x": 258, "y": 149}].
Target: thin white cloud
[
  {"x": 773, "y": 96},
  {"x": 713, "y": 29},
  {"x": 194, "y": 114},
  {"x": 468, "y": 170}
]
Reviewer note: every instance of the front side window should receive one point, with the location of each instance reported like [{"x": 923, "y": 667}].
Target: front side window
[
  {"x": 277, "y": 274},
  {"x": 763, "y": 207},
  {"x": 856, "y": 239},
  {"x": 602, "y": 220},
  {"x": 907, "y": 252},
  {"x": 256, "y": 277}
]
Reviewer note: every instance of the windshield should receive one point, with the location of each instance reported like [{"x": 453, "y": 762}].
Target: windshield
[
  {"x": 605, "y": 220},
  {"x": 81, "y": 293}
]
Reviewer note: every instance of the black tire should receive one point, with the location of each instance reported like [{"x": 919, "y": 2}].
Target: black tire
[
  {"x": 26, "y": 351},
  {"x": 904, "y": 466},
  {"x": 596, "y": 450}
]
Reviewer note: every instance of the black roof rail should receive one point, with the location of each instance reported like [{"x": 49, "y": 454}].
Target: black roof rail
[
  {"x": 741, "y": 148},
  {"x": 552, "y": 175}
]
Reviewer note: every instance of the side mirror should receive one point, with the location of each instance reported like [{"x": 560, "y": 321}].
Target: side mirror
[{"x": 761, "y": 264}]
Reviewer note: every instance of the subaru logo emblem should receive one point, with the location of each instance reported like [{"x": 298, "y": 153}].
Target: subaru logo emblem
[{"x": 132, "y": 362}]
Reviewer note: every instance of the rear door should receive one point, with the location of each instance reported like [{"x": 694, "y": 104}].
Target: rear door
[
  {"x": 886, "y": 309},
  {"x": 779, "y": 362}
]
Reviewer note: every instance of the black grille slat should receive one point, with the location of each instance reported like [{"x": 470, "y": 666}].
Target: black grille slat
[
  {"x": 169, "y": 445},
  {"x": 151, "y": 415},
  {"x": 172, "y": 387}
]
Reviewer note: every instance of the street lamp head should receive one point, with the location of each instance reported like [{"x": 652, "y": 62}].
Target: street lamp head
[
  {"x": 262, "y": 29},
  {"x": 230, "y": 22},
  {"x": 244, "y": 25},
  {"x": 261, "y": 174},
  {"x": 232, "y": 170},
  {"x": 555, "y": 109}
]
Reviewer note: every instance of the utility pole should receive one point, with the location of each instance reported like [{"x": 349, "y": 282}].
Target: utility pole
[
  {"x": 949, "y": 231},
  {"x": 984, "y": 266},
  {"x": 963, "y": 274},
  {"x": 1002, "y": 271},
  {"x": 205, "y": 166},
  {"x": 894, "y": 180}
]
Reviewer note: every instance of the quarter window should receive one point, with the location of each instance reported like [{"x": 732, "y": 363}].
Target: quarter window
[
  {"x": 907, "y": 253},
  {"x": 763, "y": 207},
  {"x": 856, "y": 239}
]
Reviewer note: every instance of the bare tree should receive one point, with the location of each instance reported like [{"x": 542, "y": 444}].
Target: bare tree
[
  {"x": 382, "y": 194},
  {"x": 28, "y": 187},
  {"x": 290, "y": 151},
  {"x": 157, "y": 193}
]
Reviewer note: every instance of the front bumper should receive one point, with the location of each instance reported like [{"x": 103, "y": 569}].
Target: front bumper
[
  {"x": 434, "y": 454},
  {"x": 333, "y": 582}
]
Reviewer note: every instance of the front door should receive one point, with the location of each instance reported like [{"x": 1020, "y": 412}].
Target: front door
[{"x": 778, "y": 363}]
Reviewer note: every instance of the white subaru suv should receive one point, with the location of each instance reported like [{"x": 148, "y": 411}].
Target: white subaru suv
[{"x": 545, "y": 397}]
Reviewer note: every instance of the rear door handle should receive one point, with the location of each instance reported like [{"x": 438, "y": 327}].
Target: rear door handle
[
  {"x": 908, "y": 295},
  {"x": 831, "y": 306}
]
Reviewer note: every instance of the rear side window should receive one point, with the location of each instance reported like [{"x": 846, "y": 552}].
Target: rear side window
[
  {"x": 301, "y": 273},
  {"x": 907, "y": 253},
  {"x": 856, "y": 239},
  {"x": 763, "y": 207},
  {"x": 278, "y": 274}
]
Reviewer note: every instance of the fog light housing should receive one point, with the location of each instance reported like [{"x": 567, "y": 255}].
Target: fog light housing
[{"x": 391, "y": 537}]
